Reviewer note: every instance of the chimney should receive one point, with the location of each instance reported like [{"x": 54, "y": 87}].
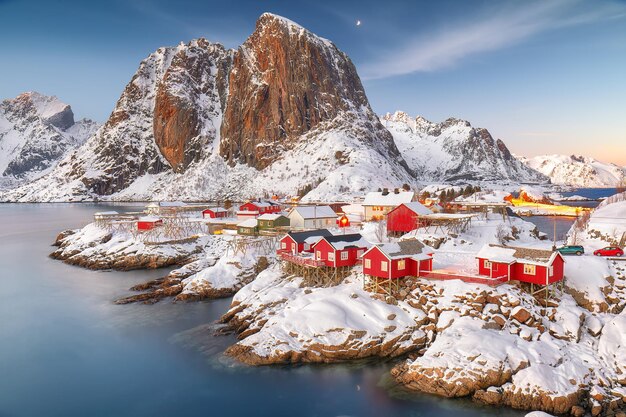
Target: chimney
[
  {"x": 385, "y": 191},
  {"x": 396, "y": 191}
]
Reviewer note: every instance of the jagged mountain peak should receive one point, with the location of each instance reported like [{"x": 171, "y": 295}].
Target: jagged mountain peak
[
  {"x": 50, "y": 109},
  {"x": 453, "y": 150}
]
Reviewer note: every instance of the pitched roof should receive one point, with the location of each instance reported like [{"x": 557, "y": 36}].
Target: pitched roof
[
  {"x": 376, "y": 198},
  {"x": 315, "y": 212},
  {"x": 352, "y": 240},
  {"x": 301, "y": 237},
  {"x": 216, "y": 209},
  {"x": 248, "y": 223},
  {"x": 510, "y": 254},
  {"x": 270, "y": 216},
  {"x": 409, "y": 248},
  {"x": 417, "y": 207}
]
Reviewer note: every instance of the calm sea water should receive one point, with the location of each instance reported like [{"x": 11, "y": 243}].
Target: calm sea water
[{"x": 66, "y": 350}]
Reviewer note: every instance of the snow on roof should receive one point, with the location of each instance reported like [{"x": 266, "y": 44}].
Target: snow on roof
[
  {"x": 248, "y": 223},
  {"x": 262, "y": 203},
  {"x": 409, "y": 248},
  {"x": 376, "y": 198},
  {"x": 300, "y": 237},
  {"x": 507, "y": 254},
  {"x": 340, "y": 242},
  {"x": 149, "y": 219},
  {"x": 417, "y": 208},
  {"x": 494, "y": 196},
  {"x": 270, "y": 216},
  {"x": 217, "y": 209},
  {"x": 447, "y": 216},
  {"x": 315, "y": 212}
]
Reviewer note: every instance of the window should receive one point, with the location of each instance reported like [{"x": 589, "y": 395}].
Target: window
[
  {"x": 318, "y": 255},
  {"x": 307, "y": 246},
  {"x": 384, "y": 266},
  {"x": 344, "y": 255},
  {"x": 294, "y": 247},
  {"x": 529, "y": 269},
  {"x": 283, "y": 245},
  {"x": 401, "y": 264},
  {"x": 331, "y": 256},
  {"x": 551, "y": 271},
  {"x": 487, "y": 264},
  {"x": 368, "y": 263}
]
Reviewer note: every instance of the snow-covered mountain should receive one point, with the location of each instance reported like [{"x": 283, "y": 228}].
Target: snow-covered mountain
[
  {"x": 578, "y": 171},
  {"x": 36, "y": 131},
  {"x": 285, "y": 111},
  {"x": 453, "y": 150}
]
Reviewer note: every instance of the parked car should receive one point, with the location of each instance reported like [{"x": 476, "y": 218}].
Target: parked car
[
  {"x": 609, "y": 251},
  {"x": 571, "y": 250}
]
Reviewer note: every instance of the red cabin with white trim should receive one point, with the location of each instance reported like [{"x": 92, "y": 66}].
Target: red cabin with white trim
[
  {"x": 148, "y": 223},
  {"x": 398, "y": 260},
  {"x": 340, "y": 250},
  {"x": 405, "y": 217},
  {"x": 257, "y": 208},
  {"x": 214, "y": 213},
  {"x": 535, "y": 266},
  {"x": 298, "y": 242}
]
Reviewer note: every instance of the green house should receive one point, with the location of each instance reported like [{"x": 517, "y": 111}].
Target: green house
[
  {"x": 271, "y": 221},
  {"x": 248, "y": 227}
]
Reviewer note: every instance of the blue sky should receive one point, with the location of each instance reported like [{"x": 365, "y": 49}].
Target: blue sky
[{"x": 545, "y": 76}]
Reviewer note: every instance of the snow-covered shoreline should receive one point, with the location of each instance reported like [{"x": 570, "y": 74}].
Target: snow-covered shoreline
[{"x": 499, "y": 345}]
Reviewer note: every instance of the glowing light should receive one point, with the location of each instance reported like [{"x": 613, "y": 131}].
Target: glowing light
[{"x": 358, "y": 23}]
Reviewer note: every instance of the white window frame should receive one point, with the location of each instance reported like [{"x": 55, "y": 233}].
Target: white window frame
[
  {"x": 550, "y": 271},
  {"x": 368, "y": 264},
  {"x": 530, "y": 269},
  {"x": 344, "y": 255},
  {"x": 283, "y": 245},
  {"x": 487, "y": 263},
  {"x": 401, "y": 265},
  {"x": 384, "y": 266},
  {"x": 318, "y": 255},
  {"x": 331, "y": 256}
]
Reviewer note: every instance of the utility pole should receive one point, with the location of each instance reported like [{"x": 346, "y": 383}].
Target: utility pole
[{"x": 554, "y": 235}]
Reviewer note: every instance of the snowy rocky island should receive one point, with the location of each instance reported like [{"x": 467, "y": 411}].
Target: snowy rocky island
[{"x": 499, "y": 344}]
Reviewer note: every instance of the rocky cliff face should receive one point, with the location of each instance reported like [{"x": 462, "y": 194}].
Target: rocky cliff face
[
  {"x": 453, "y": 150},
  {"x": 285, "y": 111},
  {"x": 285, "y": 82},
  {"x": 35, "y": 132}
]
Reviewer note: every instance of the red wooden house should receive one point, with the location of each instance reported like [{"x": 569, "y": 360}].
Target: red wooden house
[
  {"x": 405, "y": 217},
  {"x": 297, "y": 242},
  {"x": 214, "y": 213},
  {"x": 148, "y": 223},
  {"x": 257, "y": 208},
  {"x": 340, "y": 250},
  {"x": 392, "y": 261},
  {"x": 534, "y": 266}
]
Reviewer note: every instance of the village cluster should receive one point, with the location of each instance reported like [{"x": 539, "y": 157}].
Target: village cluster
[{"x": 308, "y": 248}]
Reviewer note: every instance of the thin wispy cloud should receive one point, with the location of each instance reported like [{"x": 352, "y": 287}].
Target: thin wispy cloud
[{"x": 489, "y": 31}]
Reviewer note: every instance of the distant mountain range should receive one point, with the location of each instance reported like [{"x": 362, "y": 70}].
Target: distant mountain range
[
  {"x": 578, "y": 171},
  {"x": 284, "y": 113},
  {"x": 36, "y": 131}
]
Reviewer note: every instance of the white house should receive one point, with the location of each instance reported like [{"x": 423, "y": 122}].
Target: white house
[
  {"x": 378, "y": 203},
  {"x": 312, "y": 217}
]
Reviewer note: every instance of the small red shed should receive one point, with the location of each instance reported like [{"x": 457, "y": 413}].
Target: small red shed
[
  {"x": 535, "y": 266},
  {"x": 397, "y": 260},
  {"x": 297, "y": 242},
  {"x": 405, "y": 217},
  {"x": 340, "y": 250},
  {"x": 214, "y": 213},
  {"x": 148, "y": 223}
]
